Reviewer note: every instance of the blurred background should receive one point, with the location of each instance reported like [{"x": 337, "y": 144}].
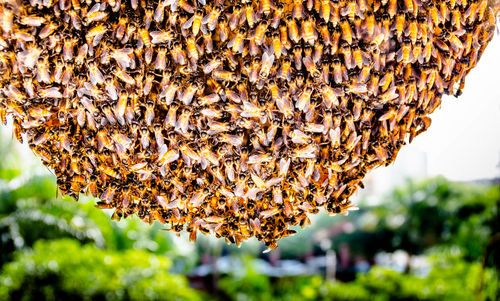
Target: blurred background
[{"x": 428, "y": 229}]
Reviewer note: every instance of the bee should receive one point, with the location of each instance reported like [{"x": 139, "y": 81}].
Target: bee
[
  {"x": 482, "y": 10},
  {"x": 311, "y": 67},
  {"x": 95, "y": 74},
  {"x": 298, "y": 11},
  {"x": 386, "y": 80},
  {"x": 148, "y": 83},
  {"x": 348, "y": 58},
  {"x": 42, "y": 71},
  {"x": 357, "y": 56},
  {"x": 94, "y": 16},
  {"x": 250, "y": 14},
  {"x": 349, "y": 10},
  {"x": 120, "y": 108},
  {"x": 405, "y": 51},
  {"x": 308, "y": 32},
  {"x": 433, "y": 13},
  {"x": 212, "y": 17},
  {"x": 325, "y": 11},
  {"x": 96, "y": 33},
  {"x": 236, "y": 16},
  {"x": 293, "y": 29},
  {"x": 194, "y": 22},
  {"x": 454, "y": 41},
  {"x": 237, "y": 42},
  {"x": 346, "y": 30},
  {"x": 192, "y": 49},
  {"x": 277, "y": 14},
  {"x": 260, "y": 32},
  {"x": 124, "y": 76},
  {"x": 412, "y": 29},
  {"x": 133, "y": 109},
  {"x": 265, "y": 65}
]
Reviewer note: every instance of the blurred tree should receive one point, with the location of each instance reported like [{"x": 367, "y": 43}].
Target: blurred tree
[
  {"x": 423, "y": 214},
  {"x": 436, "y": 211},
  {"x": 65, "y": 270}
]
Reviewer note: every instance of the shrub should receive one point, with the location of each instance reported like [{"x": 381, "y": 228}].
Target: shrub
[{"x": 65, "y": 270}]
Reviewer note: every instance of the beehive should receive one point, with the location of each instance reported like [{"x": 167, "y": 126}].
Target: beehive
[{"x": 236, "y": 118}]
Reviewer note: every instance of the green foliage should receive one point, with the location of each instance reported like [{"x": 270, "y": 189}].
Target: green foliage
[
  {"x": 451, "y": 278},
  {"x": 424, "y": 214},
  {"x": 248, "y": 286},
  {"x": 438, "y": 211},
  {"x": 64, "y": 270},
  {"x": 28, "y": 212}
]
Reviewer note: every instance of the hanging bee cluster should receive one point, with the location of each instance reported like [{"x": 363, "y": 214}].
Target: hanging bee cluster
[{"x": 233, "y": 117}]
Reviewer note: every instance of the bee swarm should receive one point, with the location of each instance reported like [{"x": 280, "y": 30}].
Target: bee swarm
[{"x": 237, "y": 118}]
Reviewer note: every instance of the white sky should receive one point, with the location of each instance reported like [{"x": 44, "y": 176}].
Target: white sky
[{"x": 463, "y": 142}]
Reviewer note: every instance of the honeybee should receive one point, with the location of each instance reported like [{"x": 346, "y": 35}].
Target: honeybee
[
  {"x": 349, "y": 9},
  {"x": 266, "y": 64},
  {"x": 293, "y": 29},
  {"x": 249, "y": 13},
  {"x": 260, "y": 32},
  {"x": 405, "y": 52},
  {"x": 236, "y": 44},
  {"x": 311, "y": 67},
  {"x": 346, "y": 30},
  {"x": 123, "y": 76},
  {"x": 308, "y": 32},
  {"x": 277, "y": 14},
  {"x": 298, "y": 10},
  {"x": 194, "y": 22}
]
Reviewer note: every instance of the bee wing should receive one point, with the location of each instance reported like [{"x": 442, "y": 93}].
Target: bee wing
[
  {"x": 207, "y": 17},
  {"x": 252, "y": 193},
  {"x": 390, "y": 94},
  {"x": 163, "y": 150},
  {"x": 52, "y": 92},
  {"x": 96, "y": 76},
  {"x": 101, "y": 141},
  {"x": 209, "y": 67},
  {"x": 87, "y": 103},
  {"x": 268, "y": 213},
  {"x": 188, "y": 23},
  {"x": 258, "y": 181},
  {"x": 315, "y": 127},
  {"x": 250, "y": 110},
  {"x": 267, "y": 59},
  {"x": 255, "y": 224},
  {"x": 308, "y": 62},
  {"x": 197, "y": 199},
  {"x": 137, "y": 166},
  {"x": 277, "y": 195},
  {"x": 367, "y": 59},
  {"x": 299, "y": 137},
  {"x": 358, "y": 88},
  {"x": 284, "y": 166},
  {"x": 122, "y": 57},
  {"x": 230, "y": 172},
  {"x": 273, "y": 181},
  {"x": 122, "y": 140},
  {"x": 303, "y": 102},
  {"x": 210, "y": 157},
  {"x": 235, "y": 140}
]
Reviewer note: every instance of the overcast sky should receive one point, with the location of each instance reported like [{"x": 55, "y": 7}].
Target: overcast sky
[{"x": 463, "y": 142}]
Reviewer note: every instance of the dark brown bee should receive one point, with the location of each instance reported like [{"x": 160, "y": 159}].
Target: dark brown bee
[{"x": 252, "y": 115}]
